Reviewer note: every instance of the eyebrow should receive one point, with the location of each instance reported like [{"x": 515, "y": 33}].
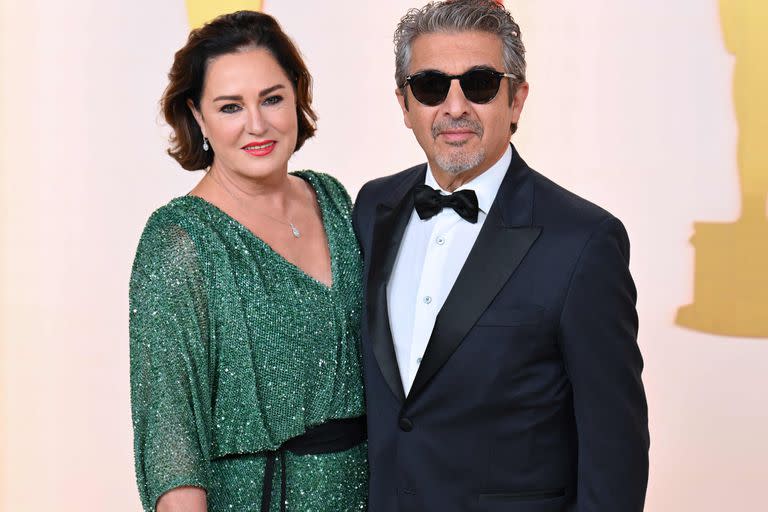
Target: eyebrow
[{"x": 237, "y": 97}]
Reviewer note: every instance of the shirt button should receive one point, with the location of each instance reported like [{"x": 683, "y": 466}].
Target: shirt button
[
  {"x": 427, "y": 300},
  {"x": 440, "y": 240},
  {"x": 418, "y": 360}
]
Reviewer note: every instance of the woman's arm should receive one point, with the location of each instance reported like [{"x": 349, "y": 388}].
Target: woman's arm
[{"x": 170, "y": 389}]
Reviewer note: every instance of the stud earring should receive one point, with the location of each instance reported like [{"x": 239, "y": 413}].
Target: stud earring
[{"x": 206, "y": 147}]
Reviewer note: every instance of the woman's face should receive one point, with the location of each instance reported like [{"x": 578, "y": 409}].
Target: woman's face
[{"x": 248, "y": 112}]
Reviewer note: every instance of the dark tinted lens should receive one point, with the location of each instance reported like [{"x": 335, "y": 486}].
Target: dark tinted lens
[
  {"x": 480, "y": 85},
  {"x": 430, "y": 88}
]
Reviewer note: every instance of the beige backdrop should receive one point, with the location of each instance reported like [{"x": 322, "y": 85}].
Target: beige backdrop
[{"x": 631, "y": 106}]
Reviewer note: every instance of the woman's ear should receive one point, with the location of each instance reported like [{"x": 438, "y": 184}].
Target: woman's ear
[{"x": 198, "y": 116}]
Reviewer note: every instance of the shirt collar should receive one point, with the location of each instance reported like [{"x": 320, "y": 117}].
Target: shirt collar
[{"x": 486, "y": 185}]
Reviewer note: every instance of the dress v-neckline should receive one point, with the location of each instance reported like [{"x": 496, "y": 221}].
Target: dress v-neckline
[{"x": 297, "y": 269}]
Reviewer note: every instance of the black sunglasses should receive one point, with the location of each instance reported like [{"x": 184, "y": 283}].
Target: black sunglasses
[{"x": 479, "y": 85}]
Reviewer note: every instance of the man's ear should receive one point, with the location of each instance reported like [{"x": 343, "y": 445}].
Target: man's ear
[
  {"x": 519, "y": 100},
  {"x": 402, "y": 99},
  {"x": 198, "y": 116}
]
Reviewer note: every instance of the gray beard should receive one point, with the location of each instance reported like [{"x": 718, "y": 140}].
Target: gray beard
[{"x": 459, "y": 162}]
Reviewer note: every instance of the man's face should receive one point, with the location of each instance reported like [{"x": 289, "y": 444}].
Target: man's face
[{"x": 459, "y": 136}]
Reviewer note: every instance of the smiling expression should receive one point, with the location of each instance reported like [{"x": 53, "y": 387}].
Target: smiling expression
[
  {"x": 459, "y": 136},
  {"x": 248, "y": 113}
]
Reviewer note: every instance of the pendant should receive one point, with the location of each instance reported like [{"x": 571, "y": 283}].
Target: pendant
[{"x": 295, "y": 231}]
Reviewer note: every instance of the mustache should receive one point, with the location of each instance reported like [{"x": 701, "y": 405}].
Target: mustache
[{"x": 457, "y": 124}]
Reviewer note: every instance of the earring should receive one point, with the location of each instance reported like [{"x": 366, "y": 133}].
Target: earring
[{"x": 206, "y": 147}]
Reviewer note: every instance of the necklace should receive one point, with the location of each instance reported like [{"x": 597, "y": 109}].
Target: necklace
[{"x": 294, "y": 230}]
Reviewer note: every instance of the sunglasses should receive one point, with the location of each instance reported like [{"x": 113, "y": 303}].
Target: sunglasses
[{"x": 479, "y": 85}]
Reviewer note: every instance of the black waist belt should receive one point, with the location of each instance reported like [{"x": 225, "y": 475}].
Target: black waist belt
[{"x": 333, "y": 436}]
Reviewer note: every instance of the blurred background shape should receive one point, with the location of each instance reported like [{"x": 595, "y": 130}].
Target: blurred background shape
[
  {"x": 201, "y": 11},
  {"x": 731, "y": 266}
]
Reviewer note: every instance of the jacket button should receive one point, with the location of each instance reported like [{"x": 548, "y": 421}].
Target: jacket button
[{"x": 406, "y": 425}]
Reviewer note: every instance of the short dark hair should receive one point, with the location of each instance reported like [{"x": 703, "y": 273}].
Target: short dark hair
[{"x": 229, "y": 33}]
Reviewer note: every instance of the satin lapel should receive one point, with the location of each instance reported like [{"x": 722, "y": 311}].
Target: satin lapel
[
  {"x": 391, "y": 220},
  {"x": 500, "y": 247}
]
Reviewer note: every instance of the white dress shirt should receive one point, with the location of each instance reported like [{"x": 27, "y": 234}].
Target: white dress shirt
[{"x": 428, "y": 262}]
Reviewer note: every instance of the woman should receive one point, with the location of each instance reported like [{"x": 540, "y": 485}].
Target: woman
[{"x": 245, "y": 296}]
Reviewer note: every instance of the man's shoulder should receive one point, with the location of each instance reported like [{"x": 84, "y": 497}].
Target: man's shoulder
[
  {"x": 571, "y": 220},
  {"x": 378, "y": 185},
  {"x": 381, "y": 190},
  {"x": 554, "y": 203}
]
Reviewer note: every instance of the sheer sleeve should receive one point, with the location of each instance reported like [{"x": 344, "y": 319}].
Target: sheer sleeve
[{"x": 170, "y": 384}]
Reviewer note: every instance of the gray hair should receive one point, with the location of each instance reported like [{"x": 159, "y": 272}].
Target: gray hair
[{"x": 461, "y": 16}]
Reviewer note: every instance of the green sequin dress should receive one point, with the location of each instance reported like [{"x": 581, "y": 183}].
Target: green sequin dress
[{"x": 234, "y": 350}]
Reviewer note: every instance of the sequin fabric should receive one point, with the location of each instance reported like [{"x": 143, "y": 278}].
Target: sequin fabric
[{"x": 234, "y": 350}]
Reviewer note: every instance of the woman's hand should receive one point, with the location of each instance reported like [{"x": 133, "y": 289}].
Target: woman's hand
[{"x": 183, "y": 499}]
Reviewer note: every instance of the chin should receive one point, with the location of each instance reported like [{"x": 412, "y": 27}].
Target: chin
[
  {"x": 266, "y": 171},
  {"x": 460, "y": 162},
  {"x": 264, "y": 166}
]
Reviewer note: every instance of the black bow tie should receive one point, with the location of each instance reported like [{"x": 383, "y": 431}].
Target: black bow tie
[{"x": 429, "y": 202}]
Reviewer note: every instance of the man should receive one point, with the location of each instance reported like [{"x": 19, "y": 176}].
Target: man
[{"x": 501, "y": 365}]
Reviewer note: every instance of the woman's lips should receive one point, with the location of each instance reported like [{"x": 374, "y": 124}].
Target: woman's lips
[{"x": 262, "y": 148}]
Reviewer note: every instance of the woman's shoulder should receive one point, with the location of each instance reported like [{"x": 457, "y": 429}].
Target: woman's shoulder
[
  {"x": 188, "y": 213},
  {"x": 329, "y": 186},
  {"x": 172, "y": 229}
]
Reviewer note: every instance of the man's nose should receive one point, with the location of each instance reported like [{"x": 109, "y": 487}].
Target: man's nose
[{"x": 456, "y": 104}]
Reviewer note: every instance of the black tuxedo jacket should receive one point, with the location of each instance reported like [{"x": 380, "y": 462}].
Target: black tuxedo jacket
[{"x": 529, "y": 396}]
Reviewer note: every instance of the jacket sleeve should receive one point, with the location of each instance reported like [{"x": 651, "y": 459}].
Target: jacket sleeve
[
  {"x": 598, "y": 336},
  {"x": 170, "y": 389}
]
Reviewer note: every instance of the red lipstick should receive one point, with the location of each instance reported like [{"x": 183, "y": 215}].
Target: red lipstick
[{"x": 259, "y": 147}]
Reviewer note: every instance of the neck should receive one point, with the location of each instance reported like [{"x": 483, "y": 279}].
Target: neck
[
  {"x": 272, "y": 190},
  {"x": 451, "y": 181},
  {"x": 272, "y": 193}
]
